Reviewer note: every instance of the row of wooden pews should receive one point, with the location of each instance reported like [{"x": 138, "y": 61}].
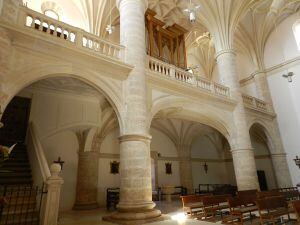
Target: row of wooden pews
[{"x": 269, "y": 205}]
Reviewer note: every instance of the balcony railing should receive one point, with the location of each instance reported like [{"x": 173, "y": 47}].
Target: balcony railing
[
  {"x": 65, "y": 33},
  {"x": 255, "y": 102},
  {"x": 174, "y": 73}
]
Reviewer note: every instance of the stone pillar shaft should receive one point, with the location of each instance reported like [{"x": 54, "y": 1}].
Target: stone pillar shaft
[
  {"x": 242, "y": 151},
  {"x": 185, "y": 168},
  {"x": 281, "y": 170},
  {"x": 262, "y": 88},
  {"x": 87, "y": 181},
  {"x": 280, "y": 166},
  {"x": 136, "y": 205}
]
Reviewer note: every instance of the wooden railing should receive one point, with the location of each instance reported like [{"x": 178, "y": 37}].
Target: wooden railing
[
  {"x": 255, "y": 102},
  {"x": 68, "y": 34},
  {"x": 174, "y": 73}
]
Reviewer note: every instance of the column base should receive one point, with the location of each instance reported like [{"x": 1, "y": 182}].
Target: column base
[
  {"x": 85, "y": 206},
  {"x": 136, "y": 218}
]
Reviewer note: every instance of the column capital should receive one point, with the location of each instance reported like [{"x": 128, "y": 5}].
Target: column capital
[
  {"x": 279, "y": 154},
  {"x": 119, "y": 2},
  {"x": 225, "y": 51},
  {"x": 135, "y": 137},
  {"x": 241, "y": 150}
]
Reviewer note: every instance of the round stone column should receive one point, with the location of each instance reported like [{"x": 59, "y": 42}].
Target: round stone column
[
  {"x": 262, "y": 88},
  {"x": 280, "y": 165},
  {"x": 242, "y": 152},
  {"x": 281, "y": 170},
  {"x": 185, "y": 169},
  {"x": 87, "y": 181},
  {"x": 135, "y": 205}
]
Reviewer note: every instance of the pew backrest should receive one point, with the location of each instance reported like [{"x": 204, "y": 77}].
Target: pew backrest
[
  {"x": 296, "y": 205},
  {"x": 271, "y": 203}
]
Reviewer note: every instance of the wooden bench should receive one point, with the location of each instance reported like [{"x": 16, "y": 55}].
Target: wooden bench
[
  {"x": 272, "y": 208},
  {"x": 193, "y": 204},
  {"x": 248, "y": 196},
  {"x": 214, "y": 204},
  {"x": 296, "y": 206},
  {"x": 266, "y": 194},
  {"x": 238, "y": 209}
]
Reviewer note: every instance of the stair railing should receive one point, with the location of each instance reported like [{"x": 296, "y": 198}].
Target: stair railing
[{"x": 38, "y": 162}]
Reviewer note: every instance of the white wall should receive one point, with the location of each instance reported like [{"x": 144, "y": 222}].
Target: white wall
[
  {"x": 57, "y": 116},
  {"x": 218, "y": 172},
  {"x": 286, "y": 95}
]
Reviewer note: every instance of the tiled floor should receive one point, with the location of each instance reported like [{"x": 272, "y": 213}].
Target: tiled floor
[{"x": 94, "y": 217}]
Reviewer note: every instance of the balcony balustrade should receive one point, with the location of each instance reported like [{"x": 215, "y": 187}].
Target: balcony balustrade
[
  {"x": 174, "y": 73},
  {"x": 63, "y": 32},
  {"x": 255, "y": 103}
]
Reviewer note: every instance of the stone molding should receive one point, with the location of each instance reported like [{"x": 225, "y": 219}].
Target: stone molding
[
  {"x": 135, "y": 137},
  {"x": 225, "y": 51}
]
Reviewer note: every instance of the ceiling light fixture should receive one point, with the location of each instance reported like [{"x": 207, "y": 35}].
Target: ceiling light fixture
[
  {"x": 110, "y": 28},
  {"x": 191, "y": 10}
]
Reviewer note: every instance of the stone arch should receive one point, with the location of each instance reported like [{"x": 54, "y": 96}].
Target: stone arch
[
  {"x": 265, "y": 128},
  {"x": 28, "y": 75},
  {"x": 207, "y": 117}
]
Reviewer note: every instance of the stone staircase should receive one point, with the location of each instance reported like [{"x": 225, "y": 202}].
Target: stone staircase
[{"x": 16, "y": 187}]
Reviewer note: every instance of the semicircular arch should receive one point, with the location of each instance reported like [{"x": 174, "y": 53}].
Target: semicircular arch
[{"x": 30, "y": 75}]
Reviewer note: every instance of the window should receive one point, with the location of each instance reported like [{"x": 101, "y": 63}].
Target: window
[
  {"x": 296, "y": 29},
  {"x": 52, "y": 14}
]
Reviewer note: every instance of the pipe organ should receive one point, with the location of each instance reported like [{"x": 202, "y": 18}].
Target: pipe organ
[{"x": 165, "y": 43}]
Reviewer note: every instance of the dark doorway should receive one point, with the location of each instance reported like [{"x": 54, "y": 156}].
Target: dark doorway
[
  {"x": 15, "y": 119},
  {"x": 262, "y": 180}
]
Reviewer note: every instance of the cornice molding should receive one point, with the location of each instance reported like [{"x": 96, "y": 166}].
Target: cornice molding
[{"x": 271, "y": 70}]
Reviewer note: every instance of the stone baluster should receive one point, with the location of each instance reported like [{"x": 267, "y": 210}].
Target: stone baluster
[{"x": 54, "y": 183}]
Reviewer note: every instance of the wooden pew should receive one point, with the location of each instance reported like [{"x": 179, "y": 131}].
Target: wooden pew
[
  {"x": 271, "y": 208},
  {"x": 266, "y": 194},
  {"x": 193, "y": 204},
  {"x": 248, "y": 196},
  {"x": 215, "y": 204},
  {"x": 296, "y": 206},
  {"x": 238, "y": 209}
]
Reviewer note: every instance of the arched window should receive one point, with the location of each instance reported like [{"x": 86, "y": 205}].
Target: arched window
[
  {"x": 296, "y": 29},
  {"x": 51, "y": 14}
]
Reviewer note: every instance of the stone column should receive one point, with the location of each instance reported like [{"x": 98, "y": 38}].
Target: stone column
[
  {"x": 280, "y": 165},
  {"x": 185, "y": 168},
  {"x": 281, "y": 170},
  {"x": 54, "y": 183},
  {"x": 136, "y": 205},
  {"x": 87, "y": 172},
  {"x": 262, "y": 88},
  {"x": 87, "y": 181},
  {"x": 242, "y": 152}
]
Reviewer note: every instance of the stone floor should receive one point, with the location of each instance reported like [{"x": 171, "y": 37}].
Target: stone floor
[{"x": 94, "y": 217}]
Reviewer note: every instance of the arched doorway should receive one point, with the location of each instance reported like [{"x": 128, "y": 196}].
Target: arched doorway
[{"x": 70, "y": 118}]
